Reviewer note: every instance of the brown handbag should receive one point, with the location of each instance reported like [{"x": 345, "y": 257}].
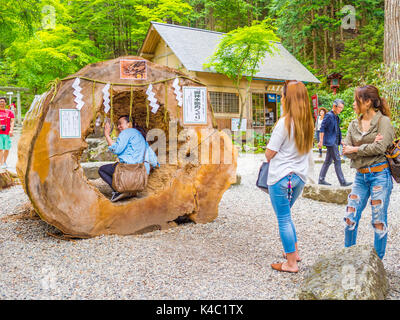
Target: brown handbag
[
  {"x": 130, "y": 177},
  {"x": 393, "y": 156}
]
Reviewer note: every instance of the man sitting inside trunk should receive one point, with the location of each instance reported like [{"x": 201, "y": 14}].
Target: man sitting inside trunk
[{"x": 130, "y": 147}]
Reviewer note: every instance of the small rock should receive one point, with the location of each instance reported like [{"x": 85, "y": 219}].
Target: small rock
[
  {"x": 7, "y": 179},
  {"x": 238, "y": 180},
  {"x": 354, "y": 273}
]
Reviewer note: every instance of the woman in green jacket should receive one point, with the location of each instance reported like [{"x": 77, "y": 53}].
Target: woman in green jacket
[{"x": 367, "y": 139}]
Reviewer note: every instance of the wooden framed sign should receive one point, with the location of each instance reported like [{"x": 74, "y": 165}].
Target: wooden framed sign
[
  {"x": 70, "y": 123},
  {"x": 133, "y": 69},
  {"x": 194, "y": 105}
]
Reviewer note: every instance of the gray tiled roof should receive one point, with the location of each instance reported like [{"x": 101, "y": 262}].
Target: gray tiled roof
[{"x": 193, "y": 47}]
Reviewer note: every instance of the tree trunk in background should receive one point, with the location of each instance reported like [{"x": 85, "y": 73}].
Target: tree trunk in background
[
  {"x": 333, "y": 35},
  {"x": 211, "y": 19},
  {"x": 392, "y": 35},
  {"x": 325, "y": 67},
  {"x": 341, "y": 29},
  {"x": 250, "y": 13},
  {"x": 314, "y": 41}
]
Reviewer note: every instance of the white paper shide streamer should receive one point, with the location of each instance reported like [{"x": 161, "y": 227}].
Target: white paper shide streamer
[
  {"x": 36, "y": 106},
  {"x": 151, "y": 97},
  {"x": 106, "y": 98},
  {"x": 178, "y": 91},
  {"x": 77, "y": 93}
]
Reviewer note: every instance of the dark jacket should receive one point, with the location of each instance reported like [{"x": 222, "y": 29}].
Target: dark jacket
[{"x": 330, "y": 127}]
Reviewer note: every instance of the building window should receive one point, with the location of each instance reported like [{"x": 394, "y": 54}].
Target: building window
[
  {"x": 223, "y": 102},
  {"x": 258, "y": 109}
]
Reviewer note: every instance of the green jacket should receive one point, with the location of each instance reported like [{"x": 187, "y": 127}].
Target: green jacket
[{"x": 369, "y": 152}]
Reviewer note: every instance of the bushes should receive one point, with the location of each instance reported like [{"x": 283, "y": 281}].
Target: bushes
[{"x": 257, "y": 144}]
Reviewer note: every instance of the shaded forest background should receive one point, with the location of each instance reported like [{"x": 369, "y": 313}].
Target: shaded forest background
[{"x": 44, "y": 40}]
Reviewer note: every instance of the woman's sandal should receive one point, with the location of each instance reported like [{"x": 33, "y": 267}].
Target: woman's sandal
[
  {"x": 285, "y": 257},
  {"x": 278, "y": 267}
]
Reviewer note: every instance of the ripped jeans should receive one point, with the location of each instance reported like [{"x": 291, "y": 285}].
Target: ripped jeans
[{"x": 378, "y": 186}]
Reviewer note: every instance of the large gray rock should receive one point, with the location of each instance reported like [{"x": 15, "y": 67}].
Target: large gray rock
[
  {"x": 354, "y": 273},
  {"x": 330, "y": 194}
]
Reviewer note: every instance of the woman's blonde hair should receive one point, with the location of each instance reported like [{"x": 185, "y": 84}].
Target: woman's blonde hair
[{"x": 296, "y": 108}]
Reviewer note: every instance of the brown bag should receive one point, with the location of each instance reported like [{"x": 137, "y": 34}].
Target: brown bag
[
  {"x": 393, "y": 157},
  {"x": 130, "y": 177}
]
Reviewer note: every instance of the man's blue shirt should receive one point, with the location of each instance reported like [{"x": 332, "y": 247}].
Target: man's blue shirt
[
  {"x": 331, "y": 128},
  {"x": 130, "y": 148}
]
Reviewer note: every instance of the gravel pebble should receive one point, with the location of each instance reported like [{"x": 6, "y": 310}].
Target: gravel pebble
[{"x": 228, "y": 258}]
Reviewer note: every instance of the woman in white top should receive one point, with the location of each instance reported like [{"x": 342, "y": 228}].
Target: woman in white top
[
  {"x": 322, "y": 112},
  {"x": 288, "y": 153}
]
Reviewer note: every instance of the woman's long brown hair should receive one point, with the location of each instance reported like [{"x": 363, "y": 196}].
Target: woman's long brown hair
[
  {"x": 371, "y": 93},
  {"x": 296, "y": 108}
]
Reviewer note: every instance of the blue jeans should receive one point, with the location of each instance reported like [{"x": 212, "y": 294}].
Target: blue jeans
[
  {"x": 378, "y": 186},
  {"x": 278, "y": 193}
]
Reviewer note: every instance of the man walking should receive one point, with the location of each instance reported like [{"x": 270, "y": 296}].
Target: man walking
[
  {"x": 331, "y": 137},
  {"x": 6, "y": 131}
]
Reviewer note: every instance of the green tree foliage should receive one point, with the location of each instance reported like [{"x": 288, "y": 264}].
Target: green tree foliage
[
  {"x": 32, "y": 54},
  {"x": 47, "y": 55},
  {"x": 362, "y": 55},
  {"x": 227, "y": 15},
  {"x": 311, "y": 30},
  {"x": 119, "y": 27},
  {"x": 240, "y": 53}
]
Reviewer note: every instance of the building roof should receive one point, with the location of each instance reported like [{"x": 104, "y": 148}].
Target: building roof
[{"x": 193, "y": 47}]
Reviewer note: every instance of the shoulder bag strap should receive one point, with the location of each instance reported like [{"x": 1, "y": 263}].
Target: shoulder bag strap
[{"x": 145, "y": 150}]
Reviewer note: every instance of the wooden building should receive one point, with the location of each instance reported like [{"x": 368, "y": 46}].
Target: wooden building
[{"x": 187, "y": 49}]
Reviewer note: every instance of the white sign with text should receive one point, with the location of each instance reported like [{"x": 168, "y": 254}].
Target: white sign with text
[
  {"x": 194, "y": 105},
  {"x": 70, "y": 123}
]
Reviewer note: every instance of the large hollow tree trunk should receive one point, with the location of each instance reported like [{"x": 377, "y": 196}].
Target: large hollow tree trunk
[
  {"x": 392, "y": 36},
  {"x": 54, "y": 181}
]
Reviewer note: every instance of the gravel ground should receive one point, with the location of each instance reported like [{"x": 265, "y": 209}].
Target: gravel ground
[{"x": 227, "y": 259}]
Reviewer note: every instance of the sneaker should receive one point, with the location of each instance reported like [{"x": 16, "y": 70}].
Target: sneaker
[
  {"x": 4, "y": 166},
  {"x": 346, "y": 184},
  {"x": 323, "y": 182},
  {"x": 116, "y": 196}
]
